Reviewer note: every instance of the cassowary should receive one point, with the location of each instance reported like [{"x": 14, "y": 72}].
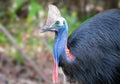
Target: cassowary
[{"x": 91, "y": 54}]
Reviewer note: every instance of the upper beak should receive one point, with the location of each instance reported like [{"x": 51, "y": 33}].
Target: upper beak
[{"x": 49, "y": 28}]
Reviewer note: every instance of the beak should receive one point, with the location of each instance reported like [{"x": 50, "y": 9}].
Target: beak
[{"x": 51, "y": 27}]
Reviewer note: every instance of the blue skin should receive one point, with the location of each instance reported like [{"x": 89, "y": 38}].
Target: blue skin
[{"x": 59, "y": 45}]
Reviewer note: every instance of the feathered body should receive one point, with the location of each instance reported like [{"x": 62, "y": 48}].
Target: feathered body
[
  {"x": 96, "y": 47},
  {"x": 93, "y": 49}
]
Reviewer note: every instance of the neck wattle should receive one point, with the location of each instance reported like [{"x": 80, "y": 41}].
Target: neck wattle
[{"x": 59, "y": 46}]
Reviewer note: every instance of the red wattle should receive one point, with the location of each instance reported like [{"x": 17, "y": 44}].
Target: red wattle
[{"x": 55, "y": 73}]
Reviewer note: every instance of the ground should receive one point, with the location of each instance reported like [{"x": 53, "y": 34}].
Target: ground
[{"x": 14, "y": 73}]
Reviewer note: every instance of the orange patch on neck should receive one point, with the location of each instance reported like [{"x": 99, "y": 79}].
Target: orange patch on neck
[{"x": 69, "y": 55}]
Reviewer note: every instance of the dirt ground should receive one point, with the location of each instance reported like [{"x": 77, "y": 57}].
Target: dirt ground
[{"x": 14, "y": 73}]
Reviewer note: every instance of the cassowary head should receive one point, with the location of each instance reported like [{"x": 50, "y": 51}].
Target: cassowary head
[{"x": 56, "y": 23}]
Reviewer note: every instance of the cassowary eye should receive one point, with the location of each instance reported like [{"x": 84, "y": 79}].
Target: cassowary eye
[{"x": 57, "y": 22}]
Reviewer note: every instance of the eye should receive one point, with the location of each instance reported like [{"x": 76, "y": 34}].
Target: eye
[{"x": 57, "y": 22}]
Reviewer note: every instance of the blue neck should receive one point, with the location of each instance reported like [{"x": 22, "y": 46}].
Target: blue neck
[{"x": 60, "y": 42}]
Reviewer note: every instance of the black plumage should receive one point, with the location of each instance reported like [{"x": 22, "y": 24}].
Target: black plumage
[{"x": 96, "y": 47}]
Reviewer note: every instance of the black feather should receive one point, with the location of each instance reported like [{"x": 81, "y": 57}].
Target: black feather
[{"x": 96, "y": 46}]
